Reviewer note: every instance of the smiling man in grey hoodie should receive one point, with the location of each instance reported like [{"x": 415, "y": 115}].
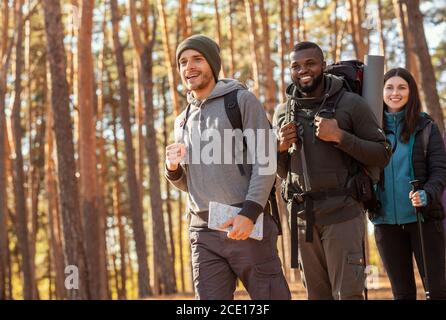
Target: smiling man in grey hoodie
[{"x": 219, "y": 258}]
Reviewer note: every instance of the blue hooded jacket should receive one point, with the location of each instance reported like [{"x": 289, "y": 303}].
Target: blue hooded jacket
[{"x": 396, "y": 205}]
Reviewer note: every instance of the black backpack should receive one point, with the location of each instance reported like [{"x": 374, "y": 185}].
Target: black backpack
[
  {"x": 234, "y": 115},
  {"x": 351, "y": 71}
]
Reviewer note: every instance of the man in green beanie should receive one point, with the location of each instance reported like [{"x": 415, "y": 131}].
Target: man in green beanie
[{"x": 218, "y": 257}]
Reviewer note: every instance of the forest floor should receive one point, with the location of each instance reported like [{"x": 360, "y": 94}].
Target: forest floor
[{"x": 382, "y": 291}]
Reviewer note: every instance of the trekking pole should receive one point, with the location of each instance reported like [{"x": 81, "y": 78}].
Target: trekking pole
[
  {"x": 366, "y": 290},
  {"x": 415, "y": 187}
]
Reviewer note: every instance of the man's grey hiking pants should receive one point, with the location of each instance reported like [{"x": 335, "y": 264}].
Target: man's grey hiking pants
[
  {"x": 218, "y": 261},
  {"x": 333, "y": 264}
]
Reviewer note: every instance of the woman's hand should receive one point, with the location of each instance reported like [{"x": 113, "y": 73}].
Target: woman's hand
[{"x": 419, "y": 198}]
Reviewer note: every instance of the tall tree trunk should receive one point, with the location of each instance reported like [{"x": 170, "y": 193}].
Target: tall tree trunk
[
  {"x": 139, "y": 115},
  {"x": 282, "y": 50},
  {"x": 231, "y": 9},
  {"x": 218, "y": 31},
  {"x": 356, "y": 13},
  {"x": 409, "y": 54},
  {"x": 5, "y": 54},
  {"x": 122, "y": 292},
  {"x": 36, "y": 169},
  {"x": 428, "y": 81},
  {"x": 35, "y": 151},
  {"x": 163, "y": 262},
  {"x": 253, "y": 42},
  {"x": 69, "y": 194},
  {"x": 291, "y": 9},
  {"x": 135, "y": 199},
  {"x": 168, "y": 198},
  {"x": 87, "y": 151},
  {"x": 380, "y": 29},
  {"x": 297, "y": 21},
  {"x": 303, "y": 26},
  {"x": 270, "y": 85},
  {"x": 180, "y": 242},
  {"x": 169, "y": 58},
  {"x": 185, "y": 19},
  {"x": 103, "y": 169},
  {"x": 19, "y": 179},
  {"x": 335, "y": 31},
  {"x": 53, "y": 212}
]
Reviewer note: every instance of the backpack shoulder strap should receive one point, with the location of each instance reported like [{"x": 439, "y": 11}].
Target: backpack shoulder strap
[
  {"x": 233, "y": 110},
  {"x": 425, "y": 134},
  {"x": 235, "y": 118},
  {"x": 332, "y": 102},
  {"x": 186, "y": 117}
]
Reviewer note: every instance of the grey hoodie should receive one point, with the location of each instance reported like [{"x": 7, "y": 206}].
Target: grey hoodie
[{"x": 221, "y": 182}]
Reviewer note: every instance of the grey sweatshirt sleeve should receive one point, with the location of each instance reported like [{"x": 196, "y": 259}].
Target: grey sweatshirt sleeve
[
  {"x": 264, "y": 165},
  {"x": 178, "y": 177},
  {"x": 367, "y": 143},
  {"x": 283, "y": 158}
]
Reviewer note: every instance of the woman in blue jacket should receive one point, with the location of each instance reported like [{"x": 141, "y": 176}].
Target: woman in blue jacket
[{"x": 414, "y": 157}]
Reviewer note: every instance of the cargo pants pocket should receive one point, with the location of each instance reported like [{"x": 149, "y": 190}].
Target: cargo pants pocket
[
  {"x": 354, "y": 277},
  {"x": 269, "y": 282}
]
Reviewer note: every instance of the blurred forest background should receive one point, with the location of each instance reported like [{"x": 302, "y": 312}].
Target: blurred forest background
[{"x": 88, "y": 94}]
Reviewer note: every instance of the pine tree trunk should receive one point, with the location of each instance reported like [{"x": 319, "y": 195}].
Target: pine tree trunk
[
  {"x": 380, "y": 29},
  {"x": 303, "y": 26},
  {"x": 19, "y": 176},
  {"x": 219, "y": 37},
  {"x": 53, "y": 212},
  {"x": 358, "y": 35},
  {"x": 253, "y": 43},
  {"x": 169, "y": 58},
  {"x": 36, "y": 150},
  {"x": 163, "y": 262},
  {"x": 231, "y": 10},
  {"x": 428, "y": 81},
  {"x": 335, "y": 31},
  {"x": 270, "y": 85},
  {"x": 282, "y": 50},
  {"x": 87, "y": 150},
  {"x": 180, "y": 242},
  {"x": 69, "y": 194},
  {"x": 185, "y": 20},
  {"x": 139, "y": 115},
  {"x": 135, "y": 199},
  {"x": 122, "y": 292},
  {"x": 291, "y": 9},
  {"x": 102, "y": 171},
  {"x": 409, "y": 55},
  {"x": 5, "y": 54},
  {"x": 168, "y": 198}
]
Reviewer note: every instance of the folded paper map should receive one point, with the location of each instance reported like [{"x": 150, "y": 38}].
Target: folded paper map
[{"x": 219, "y": 213}]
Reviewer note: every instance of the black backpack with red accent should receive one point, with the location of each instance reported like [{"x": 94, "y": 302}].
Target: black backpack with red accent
[{"x": 351, "y": 71}]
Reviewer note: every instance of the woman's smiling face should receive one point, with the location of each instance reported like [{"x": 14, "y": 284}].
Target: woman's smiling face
[{"x": 396, "y": 93}]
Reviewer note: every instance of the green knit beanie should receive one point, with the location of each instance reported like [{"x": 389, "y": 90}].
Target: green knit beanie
[{"x": 207, "y": 47}]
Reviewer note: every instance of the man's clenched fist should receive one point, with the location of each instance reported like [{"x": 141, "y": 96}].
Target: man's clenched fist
[
  {"x": 328, "y": 130},
  {"x": 287, "y": 136},
  {"x": 174, "y": 154}
]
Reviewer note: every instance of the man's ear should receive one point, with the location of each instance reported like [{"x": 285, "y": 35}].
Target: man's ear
[{"x": 324, "y": 65}]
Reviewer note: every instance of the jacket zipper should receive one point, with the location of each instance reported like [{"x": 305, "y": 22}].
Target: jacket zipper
[{"x": 393, "y": 172}]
